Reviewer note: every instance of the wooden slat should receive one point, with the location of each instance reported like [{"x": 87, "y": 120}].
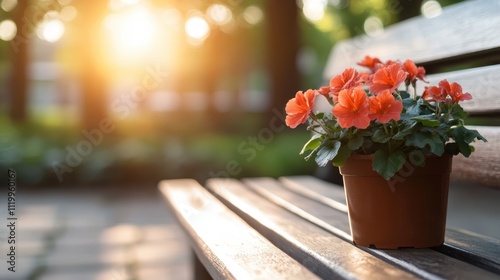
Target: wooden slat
[
  {"x": 470, "y": 247},
  {"x": 465, "y": 28},
  {"x": 416, "y": 260},
  {"x": 322, "y": 252},
  {"x": 223, "y": 242},
  {"x": 480, "y": 250},
  {"x": 483, "y": 165}
]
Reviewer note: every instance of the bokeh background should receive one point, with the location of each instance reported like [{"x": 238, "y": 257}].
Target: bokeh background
[{"x": 135, "y": 91}]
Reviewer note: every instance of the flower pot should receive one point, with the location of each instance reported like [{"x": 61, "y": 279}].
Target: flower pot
[{"x": 407, "y": 211}]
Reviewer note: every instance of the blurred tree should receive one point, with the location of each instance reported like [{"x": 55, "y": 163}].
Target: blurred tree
[
  {"x": 94, "y": 71},
  {"x": 282, "y": 45},
  {"x": 19, "y": 60}
]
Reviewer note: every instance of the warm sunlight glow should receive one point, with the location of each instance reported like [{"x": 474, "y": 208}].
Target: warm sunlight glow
[
  {"x": 132, "y": 31},
  {"x": 220, "y": 14},
  {"x": 431, "y": 9},
  {"x": 314, "y": 10},
  {"x": 8, "y": 30},
  {"x": 172, "y": 16},
  {"x": 51, "y": 30},
  {"x": 197, "y": 28},
  {"x": 253, "y": 15},
  {"x": 68, "y": 13},
  {"x": 8, "y": 5}
]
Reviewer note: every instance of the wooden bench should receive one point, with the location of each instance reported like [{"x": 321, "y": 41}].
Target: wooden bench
[
  {"x": 262, "y": 228},
  {"x": 297, "y": 227}
]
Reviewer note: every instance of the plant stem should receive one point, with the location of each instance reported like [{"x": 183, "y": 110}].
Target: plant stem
[{"x": 313, "y": 116}]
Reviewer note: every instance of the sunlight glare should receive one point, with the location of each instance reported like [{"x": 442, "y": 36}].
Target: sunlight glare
[
  {"x": 8, "y": 5},
  {"x": 132, "y": 31},
  {"x": 8, "y": 30},
  {"x": 220, "y": 14},
  {"x": 68, "y": 13},
  {"x": 197, "y": 28},
  {"x": 172, "y": 16},
  {"x": 253, "y": 15},
  {"x": 431, "y": 9},
  {"x": 51, "y": 30},
  {"x": 314, "y": 10}
]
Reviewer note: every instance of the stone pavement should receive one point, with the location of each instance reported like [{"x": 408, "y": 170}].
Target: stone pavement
[
  {"x": 114, "y": 233},
  {"x": 95, "y": 234}
]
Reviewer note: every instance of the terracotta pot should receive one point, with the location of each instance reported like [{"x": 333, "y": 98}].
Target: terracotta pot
[{"x": 407, "y": 211}]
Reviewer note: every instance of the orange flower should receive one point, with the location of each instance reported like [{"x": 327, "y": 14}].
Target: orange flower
[
  {"x": 350, "y": 78},
  {"x": 413, "y": 71},
  {"x": 352, "y": 108},
  {"x": 388, "y": 78},
  {"x": 299, "y": 108},
  {"x": 370, "y": 62},
  {"x": 434, "y": 94},
  {"x": 385, "y": 107},
  {"x": 454, "y": 90}
]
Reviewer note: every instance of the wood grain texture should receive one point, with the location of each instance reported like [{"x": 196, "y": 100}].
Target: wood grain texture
[
  {"x": 474, "y": 248},
  {"x": 223, "y": 242},
  {"x": 456, "y": 244},
  {"x": 324, "y": 253},
  {"x": 468, "y": 29},
  {"x": 483, "y": 165}
]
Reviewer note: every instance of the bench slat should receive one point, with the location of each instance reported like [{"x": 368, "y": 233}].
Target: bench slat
[
  {"x": 468, "y": 29},
  {"x": 415, "y": 260},
  {"x": 471, "y": 247},
  {"x": 224, "y": 243},
  {"x": 325, "y": 254},
  {"x": 483, "y": 165}
]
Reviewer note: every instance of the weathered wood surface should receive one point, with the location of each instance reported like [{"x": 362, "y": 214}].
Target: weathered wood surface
[
  {"x": 327, "y": 255},
  {"x": 470, "y": 247},
  {"x": 425, "y": 263},
  {"x": 483, "y": 165},
  {"x": 464, "y": 30},
  {"x": 223, "y": 242}
]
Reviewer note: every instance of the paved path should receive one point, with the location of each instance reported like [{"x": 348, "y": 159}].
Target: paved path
[
  {"x": 111, "y": 233},
  {"x": 95, "y": 234}
]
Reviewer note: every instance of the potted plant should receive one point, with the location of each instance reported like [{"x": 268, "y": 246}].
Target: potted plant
[{"x": 394, "y": 148}]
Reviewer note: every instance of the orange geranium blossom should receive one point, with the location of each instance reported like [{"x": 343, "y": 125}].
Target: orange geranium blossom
[
  {"x": 388, "y": 78},
  {"x": 299, "y": 108},
  {"x": 384, "y": 107},
  {"x": 372, "y": 115},
  {"x": 352, "y": 108}
]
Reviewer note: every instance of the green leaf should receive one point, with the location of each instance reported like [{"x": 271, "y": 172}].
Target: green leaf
[
  {"x": 457, "y": 112},
  {"x": 387, "y": 164},
  {"x": 426, "y": 139},
  {"x": 380, "y": 136},
  {"x": 417, "y": 158},
  {"x": 355, "y": 142},
  {"x": 327, "y": 152},
  {"x": 463, "y": 137},
  {"x": 312, "y": 144},
  {"x": 427, "y": 120},
  {"x": 412, "y": 106},
  {"x": 407, "y": 130},
  {"x": 342, "y": 155}
]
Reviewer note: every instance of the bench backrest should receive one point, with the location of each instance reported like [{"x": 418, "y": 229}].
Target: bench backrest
[{"x": 462, "y": 45}]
